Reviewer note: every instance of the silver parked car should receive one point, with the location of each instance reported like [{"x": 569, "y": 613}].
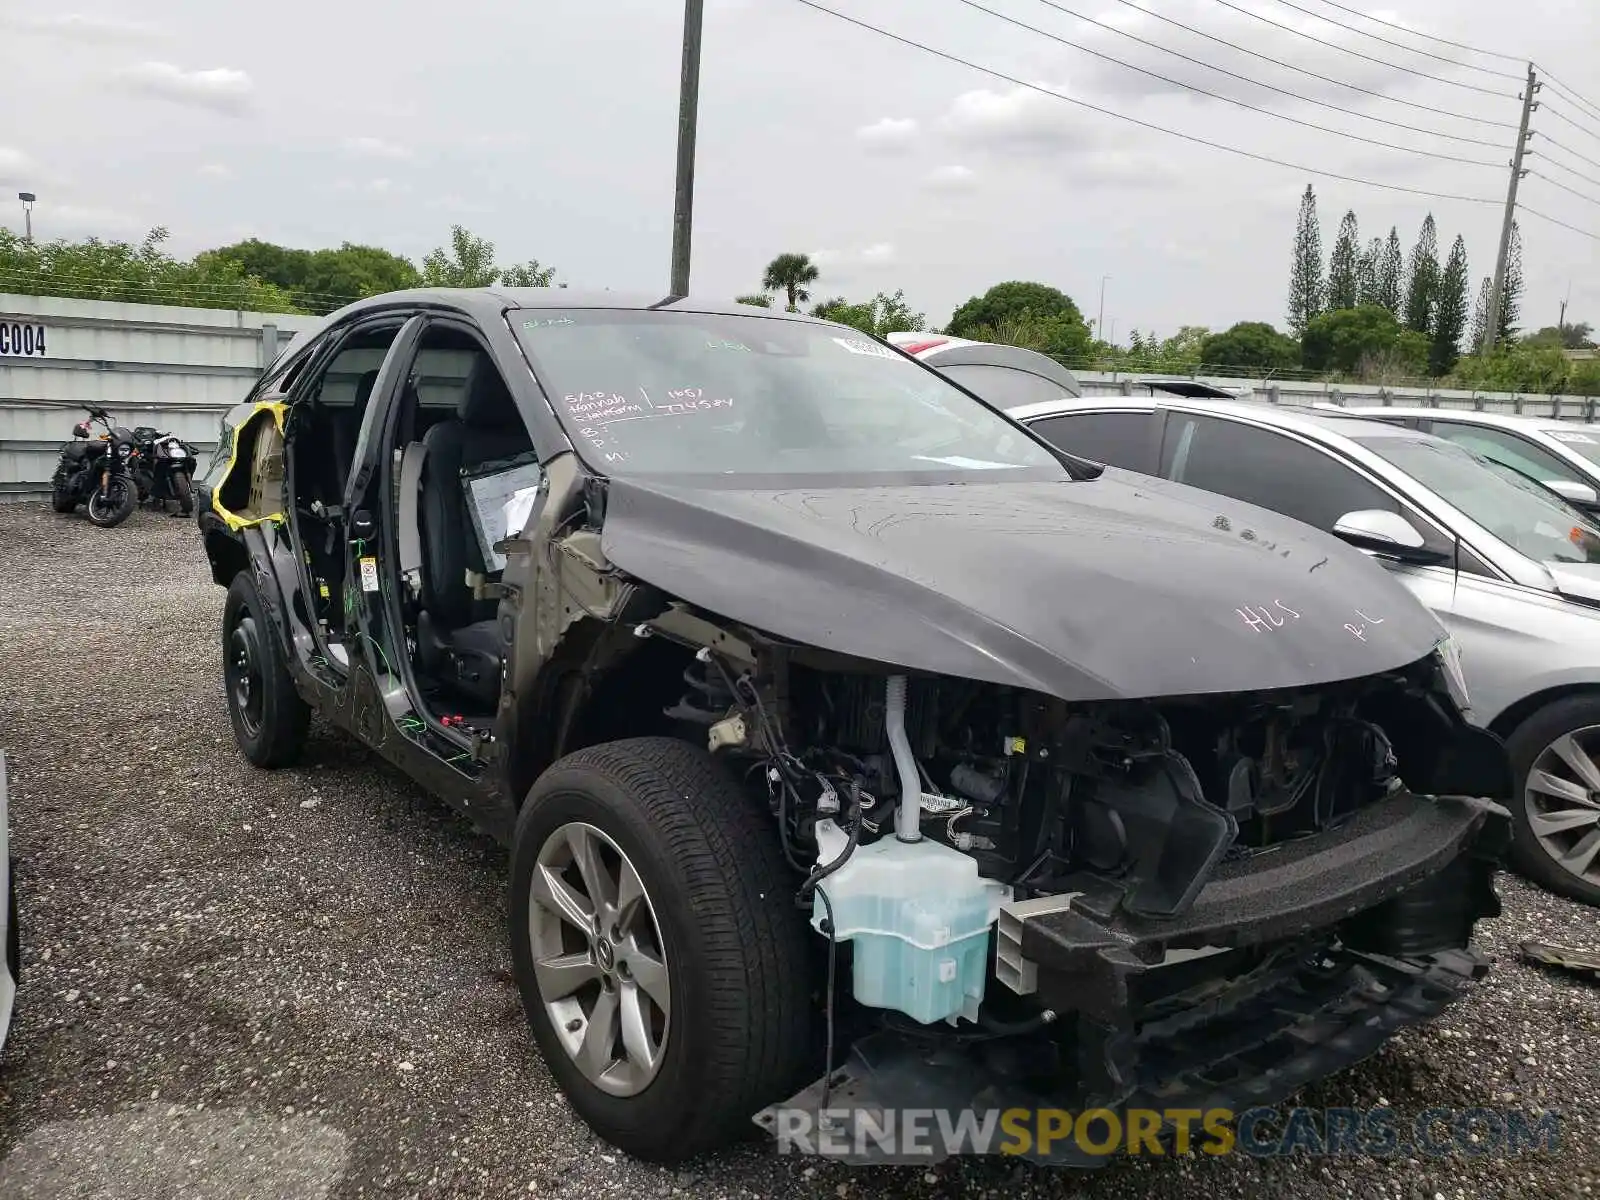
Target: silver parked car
[
  {"x": 1511, "y": 569},
  {"x": 1562, "y": 455}
]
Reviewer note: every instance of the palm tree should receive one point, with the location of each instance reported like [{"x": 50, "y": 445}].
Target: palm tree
[{"x": 790, "y": 274}]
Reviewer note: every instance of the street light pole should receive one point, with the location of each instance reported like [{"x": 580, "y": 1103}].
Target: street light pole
[
  {"x": 27, "y": 199},
  {"x": 688, "y": 119},
  {"x": 1100, "y": 321}
]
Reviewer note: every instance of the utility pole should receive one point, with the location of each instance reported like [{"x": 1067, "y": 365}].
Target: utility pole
[
  {"x": 1561, "y": 322},
  {"x": 1497, "y": 288},
  {"x": 688, "y": 119},
  {"x": 1100, "y": 321}
]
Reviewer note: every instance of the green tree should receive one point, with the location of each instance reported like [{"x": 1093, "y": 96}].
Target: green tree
[
  {"x": 1251, "y": 345},
  {"x": 1367, "y": 273},
  {"x": 1422, "y": 278},
  {"x": 320, "y": 280},
  {"x": 1515, "y": 367},
  {"x": 1391, "y": 274},
  {"x": 527, "y": 275},
  {"x": 879, "y": 317},
  {"x": 467, "y": 263},
  {"x": 1480, "y": 316},
  {"x": 793, "y": 275},
  {"x": 758, "y": 300},
  {"x": 1340, "y": 339},
  {"x": 1563, "y": 337},
  {"x": 1306, "y": 291},
  {"x": 1511, "y": 293},
  {"x": 1450, "y": 310},
  {"x": 1045, "y": 316},
  {"x": 142, "y": 273},
  {"x": 1344, "y": 265}
]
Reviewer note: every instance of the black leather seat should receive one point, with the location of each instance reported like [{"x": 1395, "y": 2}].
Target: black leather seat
[{"x": 457, "y": 634}]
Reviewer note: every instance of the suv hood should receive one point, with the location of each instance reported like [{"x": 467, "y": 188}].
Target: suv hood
[{"x": 1118, "y": 587}]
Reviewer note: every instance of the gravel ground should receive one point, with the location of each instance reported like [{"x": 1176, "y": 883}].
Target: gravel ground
[{"x": 239, "y": 983}]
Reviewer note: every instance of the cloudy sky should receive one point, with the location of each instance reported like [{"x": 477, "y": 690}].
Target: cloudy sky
[{"x": 549, "y": 128}]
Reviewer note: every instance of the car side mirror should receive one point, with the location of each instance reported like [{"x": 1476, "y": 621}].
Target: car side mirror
[
  {"x": 1570, "y": 489},
  {"x": 1385, "y": 533}
]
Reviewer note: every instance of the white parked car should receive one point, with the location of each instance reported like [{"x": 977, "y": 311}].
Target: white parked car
[
  {"x": 1005, "y": 376},
  {"x": 1562, "y": 455}
]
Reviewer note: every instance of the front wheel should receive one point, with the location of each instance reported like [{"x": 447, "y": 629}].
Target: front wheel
[
  {"x": 661, "y": 960},
  {"x": 183, "y": 493},
  {"x": 1556, "y": 820},
  {"x": 110, "y": 506},
  {"x": 269, "y": 717}
]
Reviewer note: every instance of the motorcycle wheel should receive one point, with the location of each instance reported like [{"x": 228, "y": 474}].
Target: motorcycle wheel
[
  {"x": 184, "y": 494},
  {"x": 62, "y": 499},
  {"x": 112, "y": 508}
]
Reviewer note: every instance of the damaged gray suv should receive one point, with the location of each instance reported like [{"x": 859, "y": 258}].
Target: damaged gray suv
[{"x": 829, "y": 713}]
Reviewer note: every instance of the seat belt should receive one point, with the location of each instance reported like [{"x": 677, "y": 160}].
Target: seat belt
[{"x": 410, "y": 525}]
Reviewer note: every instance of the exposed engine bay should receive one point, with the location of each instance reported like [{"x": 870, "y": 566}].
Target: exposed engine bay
[{"x": 1332, "y": 822}]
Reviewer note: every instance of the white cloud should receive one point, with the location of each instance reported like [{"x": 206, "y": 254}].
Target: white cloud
[
  {"x": 876, "y": 254},
  {"x": 79, "y": 27},
  {"x": 82, "y": 220},
  {"x": 385, "y": 186},
  {"x": 17, "y": 168},
  {"x": 1121, "y": 168},
  {"x": 1017, "y": 118},
  {"x": 216, "y": 171},
  {"x": 891, "y": 134},
  {"x": 371, "y": 147},
  {"x": 220, "y": 89},
  {"x": 953, "y": 178}
]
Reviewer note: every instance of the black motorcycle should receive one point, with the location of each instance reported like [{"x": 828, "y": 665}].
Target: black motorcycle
[
  {"x": 95, "y": 472},
  {"x": 163, "y": 469}
]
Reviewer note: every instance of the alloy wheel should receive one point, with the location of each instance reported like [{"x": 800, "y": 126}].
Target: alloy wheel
[
  {"x": 600, "y": 965},
  {"x": 1563, "y": 799}
]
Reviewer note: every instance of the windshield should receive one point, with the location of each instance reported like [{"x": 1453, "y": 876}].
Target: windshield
[
  {"x": 709, "y": 395},
  {"x": 1584, "y": 440},
  {"x": 1518, "y": 511}
]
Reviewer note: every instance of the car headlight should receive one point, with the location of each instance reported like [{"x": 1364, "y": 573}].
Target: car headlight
[
  {"x": 124, "y": 450},
  {"x": 1449, "y": 655}
]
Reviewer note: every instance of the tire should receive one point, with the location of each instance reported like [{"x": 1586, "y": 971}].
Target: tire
[
  {"x": 13, "y": 929},
  {"x": 1531, "y": 744},
  {"x": 720, "y": 906},
  {"x": 183, "y": 493},
  {"x": 123, "y": 496},
  {"x": 62, "y": 499},
  {"x": 269, "y": 717}
]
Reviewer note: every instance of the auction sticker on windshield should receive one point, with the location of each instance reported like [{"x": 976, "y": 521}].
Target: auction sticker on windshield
[
  {"x": 1561, "y": 435},
  {"x": 18, "y": 340}
]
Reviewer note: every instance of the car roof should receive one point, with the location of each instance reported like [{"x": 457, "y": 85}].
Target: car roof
[
  {"x": 1315, "y": 422},
  {"x": 1472, "y": 416},
  {"x": 490, "y": 301}
]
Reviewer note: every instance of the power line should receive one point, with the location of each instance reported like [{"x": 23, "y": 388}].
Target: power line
[
  {"x": 1570, "y": 94},
  {"x": 1561, "y": 116},
  {"x": 1471, "y": 87},
  {"x": 1535, "y": 213},
  {"x": 1418, "y": 33},
  {"x": 1556, "y": 162},
  {"x": 1256, "y": 82},
  {"x": 1569, "y": 150},
  {"x": 1443, "y": 112},
  {"x": 1584, "y": 196},
  {"x": 1245, "y": 104},
  {"x": 1107, "y": 112},
  {"x": 1454, "y": 62}
]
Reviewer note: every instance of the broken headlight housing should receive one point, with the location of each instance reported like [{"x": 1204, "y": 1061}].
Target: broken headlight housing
[{"x": 1448, "y": 653}]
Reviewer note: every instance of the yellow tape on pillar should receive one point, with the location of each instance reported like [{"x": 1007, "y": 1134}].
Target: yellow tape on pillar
[{"x": 233, "y": 521}]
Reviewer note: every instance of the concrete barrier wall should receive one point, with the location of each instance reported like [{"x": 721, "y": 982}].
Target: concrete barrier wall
[
  {"x": 175, "y": 368},
  {"x": 180, "y": 369}
]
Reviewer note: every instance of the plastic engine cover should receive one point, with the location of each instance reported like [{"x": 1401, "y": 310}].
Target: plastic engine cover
[{"x": 919, "y": 916}]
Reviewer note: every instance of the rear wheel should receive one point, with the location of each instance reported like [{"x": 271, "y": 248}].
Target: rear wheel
[
  {"x": 661, "y": 960},
  {"x": 1556, "y": 820},
  {"x": 269, "y": 717},
  {"x": 62, "y": 499},
  {"x": 111, "y": 505}
]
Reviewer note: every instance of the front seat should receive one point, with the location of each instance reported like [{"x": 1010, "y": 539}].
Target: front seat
[{"x": 457, "y": 634}]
